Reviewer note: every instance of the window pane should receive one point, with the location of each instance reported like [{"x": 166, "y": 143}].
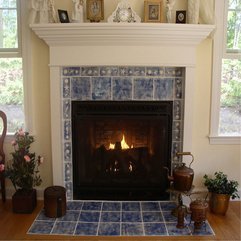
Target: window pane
[
  {"x": 230, "y": 113},
  {"x": 8, "y": 25},
  {"x": 11, "y": 92},
  {"x": 8, "y": 3},
  {"x": 234, "y": 26}
]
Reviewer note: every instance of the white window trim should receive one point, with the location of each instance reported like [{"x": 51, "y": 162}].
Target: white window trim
[
  {"x": 27, "y": 67},
  {"x": 218, "y": 48}
]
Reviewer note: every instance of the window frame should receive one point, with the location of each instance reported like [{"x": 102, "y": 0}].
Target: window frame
[
  {"x": 219, "y": 52},
  {"x": 24, "y": 52}
]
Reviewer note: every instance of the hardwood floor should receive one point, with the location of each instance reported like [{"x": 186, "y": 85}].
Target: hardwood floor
[{"x": 15, "y": 226}]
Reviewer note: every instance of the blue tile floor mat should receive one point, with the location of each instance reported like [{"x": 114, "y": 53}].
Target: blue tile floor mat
[{"x": 116, "y": 218}]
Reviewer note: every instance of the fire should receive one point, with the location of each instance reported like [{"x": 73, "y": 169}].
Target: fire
[{"x": 124, "y": 145}]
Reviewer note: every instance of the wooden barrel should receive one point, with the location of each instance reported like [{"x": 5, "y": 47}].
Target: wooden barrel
[{"x": 55, "y": 201}]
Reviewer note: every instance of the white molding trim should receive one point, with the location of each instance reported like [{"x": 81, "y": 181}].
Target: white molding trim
[
  {"x": 218, "y": 52},
  {"x": 140, "y": 44},
  {"x": 82, "y": 34},
  {"x": 27, "y": 67},
  {"x": 225, "y": 140}
]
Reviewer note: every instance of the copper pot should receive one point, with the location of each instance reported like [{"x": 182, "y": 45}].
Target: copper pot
[
  {"x": 198, "y": 210},
  {"x": 182, "y": 176}
]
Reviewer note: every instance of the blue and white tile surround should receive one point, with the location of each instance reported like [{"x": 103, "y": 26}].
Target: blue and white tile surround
[
  {"x": 120, "y": 83},
  {"x": 115, "y": 218}
]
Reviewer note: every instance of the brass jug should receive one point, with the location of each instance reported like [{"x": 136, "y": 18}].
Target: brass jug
[{"x": 182, "y": 176}]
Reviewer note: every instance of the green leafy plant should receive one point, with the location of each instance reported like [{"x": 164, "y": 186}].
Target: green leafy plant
[
  {"x": 221, "y": 185},
  {"x": 23, "y": 168}
]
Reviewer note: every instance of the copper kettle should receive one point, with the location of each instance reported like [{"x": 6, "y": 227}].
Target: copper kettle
[{"x": 182, "y": 175}]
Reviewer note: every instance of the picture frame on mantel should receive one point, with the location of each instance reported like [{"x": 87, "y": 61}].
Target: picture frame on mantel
[
  {"x": 95, "y": 10},
  {"x": 63, "y": 16},
  {"x": 153, "y": 11}
]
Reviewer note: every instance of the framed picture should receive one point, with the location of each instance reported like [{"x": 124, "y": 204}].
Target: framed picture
[
  {"x": 180, "y": 16},
  {"x": 95, "y": 10},
  {"x": 63, "y": 16},
  {"x": 153, "y": 11}
]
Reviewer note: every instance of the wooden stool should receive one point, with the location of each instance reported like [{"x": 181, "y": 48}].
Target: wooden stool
[
  {"x": 2, "y": 155},
  {"x": 55, "y": 201}
]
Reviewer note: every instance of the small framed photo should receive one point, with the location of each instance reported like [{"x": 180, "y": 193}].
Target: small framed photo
[
  {"x": 181, "y": 16},
  {"x": 153, "y": 11},
  {"x": 63, "y": 16},
  {"x": 95, "y": 10}
]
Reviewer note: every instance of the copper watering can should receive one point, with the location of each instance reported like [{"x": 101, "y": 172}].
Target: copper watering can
[{"x": 182, "y": 177}]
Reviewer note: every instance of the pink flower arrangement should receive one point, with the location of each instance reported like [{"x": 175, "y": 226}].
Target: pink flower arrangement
[{"x": 23, "y": 168}]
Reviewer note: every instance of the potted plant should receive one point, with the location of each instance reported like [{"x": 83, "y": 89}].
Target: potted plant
[
  {"x": 23, "y": 173},
  {"x": 221, "y": 190}
]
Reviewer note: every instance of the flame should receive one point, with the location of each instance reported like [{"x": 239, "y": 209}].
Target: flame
[{"x": 124, "y": 145}]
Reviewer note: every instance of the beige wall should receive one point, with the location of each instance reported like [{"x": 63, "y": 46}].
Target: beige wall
[{"x": 208, "y": 158}]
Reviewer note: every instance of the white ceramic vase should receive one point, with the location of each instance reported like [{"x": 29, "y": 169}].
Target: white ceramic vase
[{"x": 193, "y": 11}]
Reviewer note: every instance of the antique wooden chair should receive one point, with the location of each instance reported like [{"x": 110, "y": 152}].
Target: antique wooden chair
[{"x": 2, "y": 154}]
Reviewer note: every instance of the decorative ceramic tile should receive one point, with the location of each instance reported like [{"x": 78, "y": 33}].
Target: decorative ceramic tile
[
  {"x": 126, "y": 71},
  {"x": 154, "y": 229},
  {"x": 128, "y": 217},
  {"x": 66, "y": 109},
  {"x": 143, "y": 89},
  {"x": 131, "y": 206},
  {"x": 90, "y": 71},
  {"x": 179, "y": 88},
  {"x": 101, "y": 88},
  {"x": 155, "y": 222},
  {"x": 66, "y": 228},
  {"x": 132, "y": 229},
  {"x": 74, "y": 205},
  {"x": 67, "y": 152},
  {"x": 71, "y": 71},
  {"x": 174, "y": 231},
  {"x": 109, "y": 71},
  {"x": 120, "y": 83},
  {"x": 139, "y": 71},
  {"x": 93, "y": 206},
  {"x": 111, "y": 206},
  {"x": 173, "y": 72},
  {"x": 122, "y": 88},
  {"x": 109, "y": 229},
  {"x": 151, "y": 217},
  {"x": 86, "y": 229},
  {"x": 81, "y": 88},
  {"x": 41, "y": 227},
  {"x": 68, "y": 172},
  {"x": 150, "y": 206},
  {"x": 163, "y": 89},
  {"x": 177, "y": 110},
  {"x": 69, "y": 190},
  {"x": 176, "y": 147},
  {"x": 67, "y": 130},
  {"x": 66, "y": 87},
  {"x": 155, "y": 71},
  {"x": 89, "y": 216},
  {"x": 110, "y": 217}
]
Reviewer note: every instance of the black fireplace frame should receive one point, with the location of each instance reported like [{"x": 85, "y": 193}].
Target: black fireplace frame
[{"x": 122, "y": 108}]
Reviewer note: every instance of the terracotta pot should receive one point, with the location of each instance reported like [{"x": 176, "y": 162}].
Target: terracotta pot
[
  {"x": 218, "y": 203},
  {"x": 24, "y": 201}
]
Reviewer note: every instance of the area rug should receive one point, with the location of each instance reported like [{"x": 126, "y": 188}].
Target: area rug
[{"x": 116, "y": 218}]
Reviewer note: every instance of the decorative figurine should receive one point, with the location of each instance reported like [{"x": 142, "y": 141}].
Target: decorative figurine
[
  {"x": 34, "y": 9},
  {"x": 193, "y": 11},
  {"x": 170, "y": 5},
  {"x": 52, "y": 12},
  {"x": 78, "y": 11},
  {"x": 43, "y": 11}
]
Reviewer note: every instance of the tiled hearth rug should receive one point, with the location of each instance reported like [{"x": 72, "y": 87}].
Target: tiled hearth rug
[{"x": 116, "y": 218}]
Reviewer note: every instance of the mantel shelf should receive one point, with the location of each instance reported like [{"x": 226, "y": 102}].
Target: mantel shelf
[{"x": 98, "y": 34}]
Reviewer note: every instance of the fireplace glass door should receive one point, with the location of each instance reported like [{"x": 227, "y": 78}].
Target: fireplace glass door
[{"x": 120, "y": 149}]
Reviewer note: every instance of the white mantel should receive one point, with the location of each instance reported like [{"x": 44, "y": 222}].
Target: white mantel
[{"x": 143, "y": 44}]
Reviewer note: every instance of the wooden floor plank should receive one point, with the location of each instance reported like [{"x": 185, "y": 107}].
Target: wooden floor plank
[{"x": 15, "y": 226}]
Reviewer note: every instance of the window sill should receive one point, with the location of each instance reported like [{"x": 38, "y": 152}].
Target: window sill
[{"x": 225, "y": 140}]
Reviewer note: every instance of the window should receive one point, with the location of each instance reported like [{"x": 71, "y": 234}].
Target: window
[
  {"x": 226, "y": 89},
  {"x": 12, "y": 96}
]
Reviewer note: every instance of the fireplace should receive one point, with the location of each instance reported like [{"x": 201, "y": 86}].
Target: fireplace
[{"x": 120, "y": 149}]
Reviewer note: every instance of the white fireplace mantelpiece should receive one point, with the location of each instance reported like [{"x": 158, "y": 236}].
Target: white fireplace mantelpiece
[{"x": 138, "y": 44}]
